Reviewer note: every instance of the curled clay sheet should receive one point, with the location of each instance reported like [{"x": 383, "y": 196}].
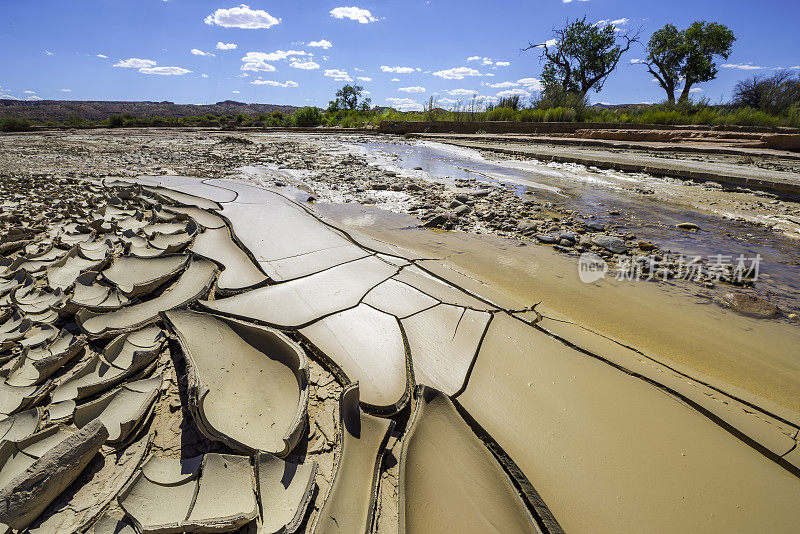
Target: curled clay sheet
[
  {"x": 366, "y": 345},
  {"x": 20, "y": 425},
  {"x": 350, "y": 503},
  {"x": 212, "y": 493},
  {"x": 63, "y": 273},
  {"x": 449, "y": 477},
  {"x": 53, "y": 468},
  {"x": 136, "y": 277},
  {"x": 14, "y": 399},
  {"x": 122, "y": 410},
  {"x": 240, "y": 272},
  {"x": 299, "y": 302},
  {"x": 194, "y": 283},
  {"x": 285, "y": 490},
  {"x": 36, "y": 365},
  {"x": 93, "y": 296},
  {"x": 259, "y": 398},
  {"x": 122, "y": 357}
]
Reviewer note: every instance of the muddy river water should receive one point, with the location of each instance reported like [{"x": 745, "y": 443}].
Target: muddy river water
[{"x": 616, "y": 199}]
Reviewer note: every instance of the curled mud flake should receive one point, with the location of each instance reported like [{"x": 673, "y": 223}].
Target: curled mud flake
[
  {"x": 449, "y": 477},
  {"x": 193, "y": 284},
  {"x": 63, "y": 273},
  {"x": 240, "y": 272},
  {"x": 122, "y": 357},
  {"x": 35, "y": 365},
  {"x": 212, "y": 493},
  {"x": 135, "y": 277},
  {"x": 122, "y": 410},
  {"x": 299, "y": 302},
  {"x": 57, "y": 465},
  {"x": 259, "y": 399},
  {"x": 20, "y": 425},
  {"x": 285, "y": 490},
  {"x": 350, "y": 503},
  {"x": 366, "y": 345}
]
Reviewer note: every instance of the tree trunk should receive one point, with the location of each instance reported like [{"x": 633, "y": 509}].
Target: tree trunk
[{"x": 685, "y": 93}]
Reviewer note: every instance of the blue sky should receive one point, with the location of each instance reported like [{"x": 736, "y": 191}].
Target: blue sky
[{"x": 182, "y": 50}]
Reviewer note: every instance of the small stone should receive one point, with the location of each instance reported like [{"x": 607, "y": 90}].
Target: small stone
[
  {"x": 610, "y": 243},
  {"x": 751, "y": 305},
  {"x": 646, "y": 246},
  {"x": 545, "y": 238},
  {"x": 597, "y": 227},
  {"x": 687, "y": 226}
]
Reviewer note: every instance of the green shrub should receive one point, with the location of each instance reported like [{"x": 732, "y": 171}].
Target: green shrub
[
  {"x": 14, "y": 124},
  {"x": 305, "y": 117},
  {"x": 116, "y": 121}
]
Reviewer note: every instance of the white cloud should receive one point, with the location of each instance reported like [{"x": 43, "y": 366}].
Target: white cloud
[
  {"x": 226, "y": 46},
  {"x": 447, "y": 101},
  {"x": 47, "y": 53},
  {"x": 102, "y": 56},
  {"x": 242, "y": 17},
  {"x": 395, "y": 80},
  {"x": 742, "y": 66},
  {"x": 135, "y": 63},
  {"x": 364, "y": 78},
  {"x": 305, "y": 65},
  {"x": 473, "y": 58},
  {"x": 273, "y": 83},
  {"x": 365, "y": 92},
  {"x": 461, "y": 92},
  {"x": 322, "y": 43},
  {"x": 353, "y": 13},
  {"x": 414, "y": 89},
  {"x": 66, "y": 90},
  {"x": 636, "y": 61},
  {"x": 503, "y": 63},
  {"x": 33, "y": 98},
  {"x": 165, "y": 71},
  {"x": 487, "y": 61},
  {"x": 204, "y": 75},
  {"x": 198, "y": 52},
  {"x": 568, "y": 1},
  {"x": 235, "y": 92},
  {"x": 257, "y": 61},
  {"x": 457, "y": 73},
  {"x": 514, "y": 92},
  {"x": 29, "y": 92},
  {"x": 531, "y": 84},
  {"x": 695, "y": 90},
  {"x": 502, "y": 85},
  {"x": 338, "y": 75},
  {"x": 616, "y": 23},
  {"x": 397, "y": 70},
  {"x": 404, "y": 104}
]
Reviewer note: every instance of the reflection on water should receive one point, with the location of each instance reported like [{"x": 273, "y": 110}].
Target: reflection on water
[{"x": 606, "y": 195}]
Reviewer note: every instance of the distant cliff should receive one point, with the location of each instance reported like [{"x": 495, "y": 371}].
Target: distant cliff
[{"x": 61, "y": 110}]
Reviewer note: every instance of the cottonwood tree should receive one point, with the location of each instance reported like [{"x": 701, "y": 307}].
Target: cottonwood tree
[
  {"x": 581, "y": 56},
  {"x": 347, "y": 98},
  {"x": 686, "y": 57}
]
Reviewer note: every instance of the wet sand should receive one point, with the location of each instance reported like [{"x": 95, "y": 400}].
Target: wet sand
[{"x": 751, "y": 358}]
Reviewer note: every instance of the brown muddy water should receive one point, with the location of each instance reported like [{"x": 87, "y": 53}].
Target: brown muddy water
[{"x": 611, "y": 198}]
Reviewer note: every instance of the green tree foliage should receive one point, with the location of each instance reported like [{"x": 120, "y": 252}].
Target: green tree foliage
[
  {"x": 308, "y": 116},
  {"x": 348, "y": 98},
  {"x": 582, "y": 57},
  {"x": 676, "y": 57}
]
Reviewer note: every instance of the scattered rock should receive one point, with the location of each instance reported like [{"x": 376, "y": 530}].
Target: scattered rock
[
  {"x": 610, "y": 243},
  {"x": 687, "y": 226},
  {"x": 751, "y": 305}
]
